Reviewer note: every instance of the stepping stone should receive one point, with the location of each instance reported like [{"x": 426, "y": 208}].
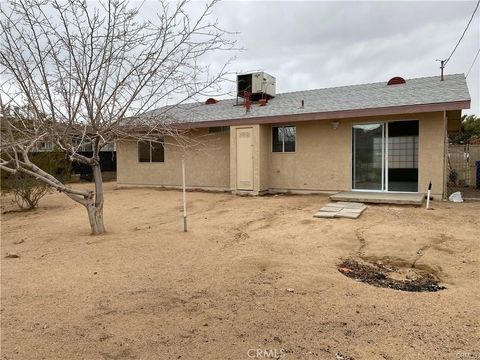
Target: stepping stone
[
  {"x": 330, "y": 208},
  {"x": 324, "y": 214},
  {"x": 336, "y": 205},
  {"x": 341, "y": 209},
  {"x": 348, "y": 215},
  {"x": 354, "y": 211}
]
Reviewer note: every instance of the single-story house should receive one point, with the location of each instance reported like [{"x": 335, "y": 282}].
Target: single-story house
[{"x": 382, "y": 137}]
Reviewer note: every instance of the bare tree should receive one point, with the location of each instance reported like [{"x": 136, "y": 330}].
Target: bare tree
[{"x": 86, "y": 73}]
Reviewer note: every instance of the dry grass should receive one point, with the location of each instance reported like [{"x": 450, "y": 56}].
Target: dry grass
[{"x": 146, "y": 290}]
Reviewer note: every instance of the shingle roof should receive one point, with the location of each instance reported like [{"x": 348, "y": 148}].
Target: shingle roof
[{"x": 418, "y": 91}]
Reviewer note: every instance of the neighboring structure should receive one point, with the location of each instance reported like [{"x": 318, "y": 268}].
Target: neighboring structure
[
  {"x": 373, "y": 137},
  {"x": 108, "y": 162},
  {"x": 108, "y": 159}
]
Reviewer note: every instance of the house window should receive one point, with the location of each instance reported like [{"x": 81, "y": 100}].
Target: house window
[
  {"x": 283, "y": 138},
  {"x": 86, "y": 147},
  {"x": 149, "y": 151},
  {"x": 82, "y": 146},
  {"x": 45, "y": 145},
  {"x": 219, "y": 129}
]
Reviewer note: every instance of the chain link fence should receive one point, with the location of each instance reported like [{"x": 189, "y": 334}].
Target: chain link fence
[{"x": 463, "y": 170}]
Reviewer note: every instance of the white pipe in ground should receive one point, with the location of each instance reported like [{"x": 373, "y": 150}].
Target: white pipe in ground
[
  {"x": 184, "y": 196},
  {"x": 428, "y": 194}
]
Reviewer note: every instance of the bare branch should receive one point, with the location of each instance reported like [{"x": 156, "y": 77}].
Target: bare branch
[{"x": 86, "y": 72}]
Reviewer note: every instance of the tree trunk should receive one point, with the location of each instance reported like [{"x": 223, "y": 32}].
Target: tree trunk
[
  {"x": 95, "y": 207},
  {"x": 95, "y": 216}
]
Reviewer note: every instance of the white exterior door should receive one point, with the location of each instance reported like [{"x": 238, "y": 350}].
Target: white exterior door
[{"x": 244, "y": 158}]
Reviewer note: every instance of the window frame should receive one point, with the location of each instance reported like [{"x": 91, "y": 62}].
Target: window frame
[
  {"x": 151, "y": 147},
  {"x": 219, "y": 130},
  {"x": 283, "y": 140},
  {"x": 45, "y": 146}
]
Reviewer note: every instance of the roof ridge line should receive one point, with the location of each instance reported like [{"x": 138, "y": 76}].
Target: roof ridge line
[{"x": 363, "y": 84}]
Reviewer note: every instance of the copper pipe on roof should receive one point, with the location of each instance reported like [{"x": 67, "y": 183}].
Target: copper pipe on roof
[{"x": 246, "y": 101}]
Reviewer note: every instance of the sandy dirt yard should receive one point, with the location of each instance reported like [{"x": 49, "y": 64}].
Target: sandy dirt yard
[{"x": 146, "y": 290}]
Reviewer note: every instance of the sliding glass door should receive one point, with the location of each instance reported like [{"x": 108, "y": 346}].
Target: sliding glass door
[
  {"x": 385, "y": 156},
  {"x": 368, "y": 156},
  {"x": 402, "y": 161}
]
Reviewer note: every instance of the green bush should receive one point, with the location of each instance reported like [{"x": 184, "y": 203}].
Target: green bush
[
  {"x": 27, "y": 190},
  {"x": 53, "y": 162},
  {"x": 453, "y": 176}
]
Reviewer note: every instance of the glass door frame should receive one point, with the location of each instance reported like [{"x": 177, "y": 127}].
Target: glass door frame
[
  {"x": 384, "y": 186},
  {"x": 382, "y": 124}
]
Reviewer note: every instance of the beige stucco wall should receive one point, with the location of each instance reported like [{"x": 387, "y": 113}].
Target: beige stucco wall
[
  {"x": 322, "y": 161},
  {"x": 264, "y": 156},
  {"x": 207, "y": 165},
  {"x": 431, "y": 154}
]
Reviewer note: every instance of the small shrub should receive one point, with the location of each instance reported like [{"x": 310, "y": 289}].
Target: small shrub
[
  {"x": 27, "y": 191},
  {"x": 53, "y": 162},
  {"x": 453, "y": 176}
]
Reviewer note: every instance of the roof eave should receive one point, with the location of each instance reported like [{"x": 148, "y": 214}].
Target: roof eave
[{"x": 330, "y": 115}]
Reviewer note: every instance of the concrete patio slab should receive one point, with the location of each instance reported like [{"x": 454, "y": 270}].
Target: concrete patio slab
[
  {"x": 379, "y": 197},
  {"x": 348, "y": 205}
]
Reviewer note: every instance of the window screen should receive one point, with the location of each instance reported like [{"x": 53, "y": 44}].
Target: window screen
[
  {"x": 289, "y": 133},
  {"x": 157, "y": 152},
  {"x": 150, "y": 152},
  {"x": 144, "y": 151},
  {"x": 277, "y": 139},
  {"x": 283, "y": 138}
]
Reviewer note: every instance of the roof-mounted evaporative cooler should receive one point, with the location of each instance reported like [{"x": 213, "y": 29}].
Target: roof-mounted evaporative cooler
[{"x": 257, "y": 85}]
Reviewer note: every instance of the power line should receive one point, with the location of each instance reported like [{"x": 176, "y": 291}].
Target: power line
[
  {"x": 473, "y": 63},
  {"x": 464, "y": 31}
]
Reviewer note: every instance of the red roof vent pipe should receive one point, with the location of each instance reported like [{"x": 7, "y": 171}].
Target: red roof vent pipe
[
  {"x": 246, "y": 101},
  {"x": 396, "y": 81},
  {"x": 211, "y": 101}
]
